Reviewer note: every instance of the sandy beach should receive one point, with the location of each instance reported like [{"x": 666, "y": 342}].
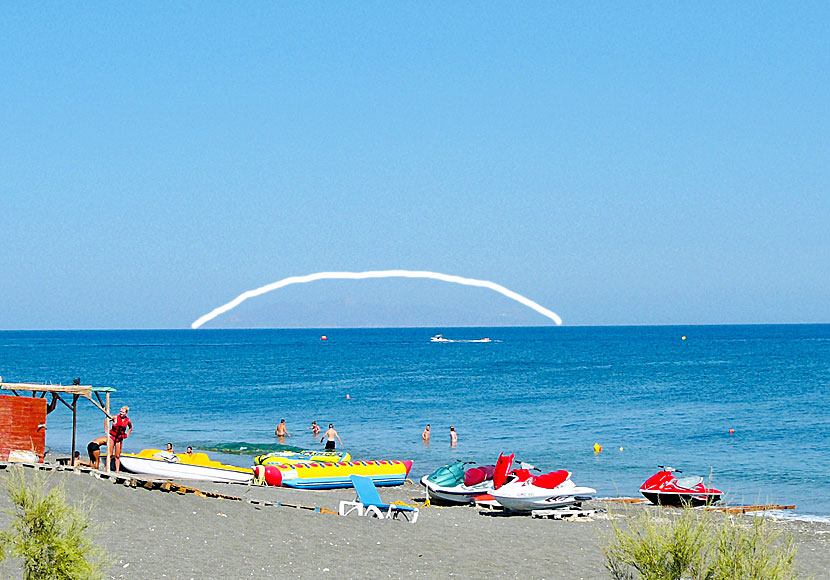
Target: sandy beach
[{"x": 158, "y": 534}]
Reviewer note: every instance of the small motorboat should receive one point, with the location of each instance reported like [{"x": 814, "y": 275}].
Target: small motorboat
[
  {"x": 519, "y": 491},
  {"x": 455, "y": 484},
  {"x": 305, "y": 456},
  {"x": 197, "y": 466},
  {"x": 663, "y": 488},
  {"x": 439, "y": 338}
]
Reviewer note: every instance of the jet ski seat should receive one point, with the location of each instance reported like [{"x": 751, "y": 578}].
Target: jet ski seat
[{"x": 689, "y": 482}]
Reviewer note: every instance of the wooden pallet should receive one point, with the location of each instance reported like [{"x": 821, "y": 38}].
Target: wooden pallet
[
  {"x": 490, "y": 505},
  {"x": 742, "y": 509},
  {"x": 562, "y": 514}
]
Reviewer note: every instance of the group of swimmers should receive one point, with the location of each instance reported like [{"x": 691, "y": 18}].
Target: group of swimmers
[
  {"x": 122, "y": 427},
  {"x": 330, "y": 435},
  {"x": 453, "y": 436}
]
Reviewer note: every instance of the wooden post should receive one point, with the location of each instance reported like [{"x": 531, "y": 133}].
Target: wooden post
[
  {"x": 107, "y": 430},
  {"x": 74, "y": 426}
]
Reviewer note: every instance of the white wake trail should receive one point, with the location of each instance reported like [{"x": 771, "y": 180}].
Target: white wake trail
[{"x": 376, "y": 274}]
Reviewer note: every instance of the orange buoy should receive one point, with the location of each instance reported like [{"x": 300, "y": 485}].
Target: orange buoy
[
  {"x": 731, "y": 431},
  {"x": 597, "y": 447},
  {"x": 324, "y": 337}
]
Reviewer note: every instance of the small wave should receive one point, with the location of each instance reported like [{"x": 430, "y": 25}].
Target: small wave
[
  {"x": 243, "y": 448},
  {"x": 794, "y": 517}
]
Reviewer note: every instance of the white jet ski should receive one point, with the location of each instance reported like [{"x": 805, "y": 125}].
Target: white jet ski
[{"x": 522, "y": 492}]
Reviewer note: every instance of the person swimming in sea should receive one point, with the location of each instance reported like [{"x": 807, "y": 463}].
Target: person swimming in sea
[
  {"x": 282, "y": 430},
  {"x": 331, "y": 434},
  {"x": 425, "y": 435}
]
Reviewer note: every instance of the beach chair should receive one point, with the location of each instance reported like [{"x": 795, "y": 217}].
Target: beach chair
[{"x": 368, "y": 502}]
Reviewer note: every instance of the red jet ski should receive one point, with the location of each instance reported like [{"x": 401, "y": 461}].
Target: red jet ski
[{"x": 663, "y": 488}]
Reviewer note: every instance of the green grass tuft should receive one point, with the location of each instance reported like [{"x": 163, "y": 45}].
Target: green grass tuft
[
  {"x": 51, "y": 537},
  {"x": 697, "y": 545}
]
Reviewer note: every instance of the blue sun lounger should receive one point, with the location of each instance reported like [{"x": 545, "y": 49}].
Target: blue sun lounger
[{"x": 368, "y": 502}]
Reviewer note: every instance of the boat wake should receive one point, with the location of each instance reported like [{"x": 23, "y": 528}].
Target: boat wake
[{"x": 440, "y": 338}]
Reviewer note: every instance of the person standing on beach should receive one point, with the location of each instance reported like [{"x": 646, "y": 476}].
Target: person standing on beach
[
  {"x": 93, "y": 449},
  {"x": 425, "y": 435},
  {"x": 453, "y": 437},
  {"x": 121, "y": 429},
  {"x": 281, "y": 430},
  {"x": 331, "y": 434}
]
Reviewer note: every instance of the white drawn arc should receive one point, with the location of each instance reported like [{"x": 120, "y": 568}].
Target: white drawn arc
[{"x": 375, "y": 274}]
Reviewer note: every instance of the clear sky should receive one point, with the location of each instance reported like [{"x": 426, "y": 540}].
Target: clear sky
[{"x": 618, "y": 163}]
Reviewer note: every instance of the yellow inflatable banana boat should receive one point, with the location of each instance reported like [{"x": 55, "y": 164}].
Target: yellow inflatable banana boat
[
  {"x": 324, "y": 475},
  {"x": 306, "y": 456}
]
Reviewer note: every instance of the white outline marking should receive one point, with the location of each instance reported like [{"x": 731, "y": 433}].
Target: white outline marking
[{"x": 375, "y": 274}]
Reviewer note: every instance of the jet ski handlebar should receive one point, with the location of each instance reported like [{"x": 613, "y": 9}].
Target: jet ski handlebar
[{"x": 669, "y": 468}]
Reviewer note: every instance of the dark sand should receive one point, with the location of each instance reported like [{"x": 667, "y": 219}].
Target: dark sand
[{"x": 156, "y": 534}]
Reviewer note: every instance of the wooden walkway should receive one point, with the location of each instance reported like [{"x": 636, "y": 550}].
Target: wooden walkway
[
  {"x": 728, "y": 509},
  {"x": 164, "y": 485}
]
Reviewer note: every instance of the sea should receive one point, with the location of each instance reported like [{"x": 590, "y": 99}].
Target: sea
[{"x": 745, "y": 407}]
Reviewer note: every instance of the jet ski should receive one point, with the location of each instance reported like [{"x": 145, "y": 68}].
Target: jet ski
[
  {"x": 454, "y": 483},
  {"x": 519, "y": 491},
  {"x": 663, "y": 488}
]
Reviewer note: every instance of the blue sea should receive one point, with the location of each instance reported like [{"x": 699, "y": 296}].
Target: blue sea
[{"x": 548, "y": 394}]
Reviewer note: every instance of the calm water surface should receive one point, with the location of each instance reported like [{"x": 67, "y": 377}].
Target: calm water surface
[{"x": 548, "y": 394}]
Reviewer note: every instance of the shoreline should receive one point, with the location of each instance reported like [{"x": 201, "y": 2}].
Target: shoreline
[{"x": 158, "y": 534}]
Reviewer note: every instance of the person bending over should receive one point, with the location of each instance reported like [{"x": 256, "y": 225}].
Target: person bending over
[{"x": 93, "y": 449}]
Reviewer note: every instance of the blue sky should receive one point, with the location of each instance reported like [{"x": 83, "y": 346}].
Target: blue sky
[{"x": 618, "y": 164}]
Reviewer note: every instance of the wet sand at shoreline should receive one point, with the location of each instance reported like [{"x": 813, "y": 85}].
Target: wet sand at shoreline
[{"x": 156, "y": 534}]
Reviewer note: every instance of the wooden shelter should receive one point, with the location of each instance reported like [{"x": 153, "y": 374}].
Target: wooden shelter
[{"x": 64, "y": 393}]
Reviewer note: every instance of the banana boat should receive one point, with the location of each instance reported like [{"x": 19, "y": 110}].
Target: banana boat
[
  {"x": 323, "y": 475},
  {"x": 305, "y": 456}
]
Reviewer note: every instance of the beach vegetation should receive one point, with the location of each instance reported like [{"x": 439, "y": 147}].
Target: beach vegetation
[
  {"x": 51, "y": 538},
  {"x": 697, "y": 545}
]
